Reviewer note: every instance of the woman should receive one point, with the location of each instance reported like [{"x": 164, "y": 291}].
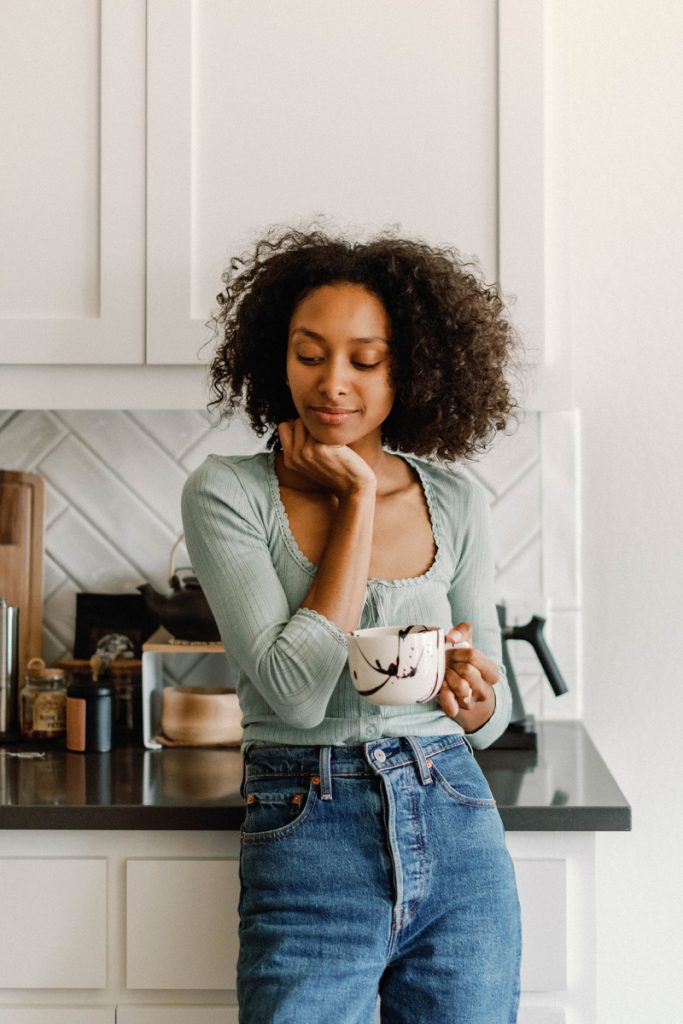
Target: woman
[{"x": 373, "y": 859}]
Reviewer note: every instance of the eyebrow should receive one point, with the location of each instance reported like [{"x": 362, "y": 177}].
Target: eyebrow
[{"x": 321, "y": 337}]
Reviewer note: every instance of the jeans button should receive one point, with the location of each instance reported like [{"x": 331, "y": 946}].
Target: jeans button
[{"x": 380, "y": 756}]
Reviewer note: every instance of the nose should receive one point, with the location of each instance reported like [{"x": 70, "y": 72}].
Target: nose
[{"x": 333, "y": 382}]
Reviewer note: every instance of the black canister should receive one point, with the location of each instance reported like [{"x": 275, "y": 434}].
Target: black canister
[{"x": 89, "y": 718}]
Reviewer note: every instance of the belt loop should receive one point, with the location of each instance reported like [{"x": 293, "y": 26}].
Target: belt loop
[
  {"x": 326, "y": 773},
  {"x": 468, "y": 744},
  {"x": 422, "y": 766}
]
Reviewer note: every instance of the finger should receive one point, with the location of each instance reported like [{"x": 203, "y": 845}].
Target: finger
[
  {"x": 461, "y": 632},
  {"x": 286, "y": 434},
  {"x": 463, "y": 690},
  {"x": 448, "y": 702},
  {"x": 473, "y": 656}
]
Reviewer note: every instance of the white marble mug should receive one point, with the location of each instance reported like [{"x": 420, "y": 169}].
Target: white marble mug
[{"x": 398, "y": 664}]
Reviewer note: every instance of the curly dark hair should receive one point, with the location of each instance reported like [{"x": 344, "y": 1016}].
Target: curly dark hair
[{"x": 452, "y": 345}]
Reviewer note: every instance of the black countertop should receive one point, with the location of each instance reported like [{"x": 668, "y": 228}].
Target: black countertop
[{"x": 563, "y": 786}]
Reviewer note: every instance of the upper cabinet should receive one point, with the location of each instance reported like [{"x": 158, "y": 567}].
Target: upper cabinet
[
  {"x": 370, "y": 114},
  {"x": 72, "y": 108},
  {"x": 155, "y": 141}
]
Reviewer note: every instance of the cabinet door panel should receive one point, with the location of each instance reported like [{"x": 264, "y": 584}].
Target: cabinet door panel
[
  {"x": 181, "y": 924},
  {"x": 57, "y": 1015},
  {"x": 72, "y": 181},
  {"x": 542, "y": 888},
  {"x": 176, "y": 1015},
  {"x": 371, "y": 114},
  {"x": 54, "y": 923},
  {"x": 541, "y": 1015}
]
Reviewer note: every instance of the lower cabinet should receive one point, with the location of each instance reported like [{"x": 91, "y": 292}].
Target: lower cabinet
[
  {"x": 181, "y": 924},
  {"x": 541, "y": 1015},
  {"x": 176, "y": 1015},
  {"x": 58, "y": 1015},
  {"x": 141, "y": 927},
  {"x": 54, "y": 923}
]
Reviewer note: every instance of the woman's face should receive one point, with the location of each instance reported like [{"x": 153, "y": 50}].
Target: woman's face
[{"x": 338, "y": 364}]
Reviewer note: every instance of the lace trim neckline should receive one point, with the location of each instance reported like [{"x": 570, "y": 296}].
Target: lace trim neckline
[{"x": 311, "y": 568}]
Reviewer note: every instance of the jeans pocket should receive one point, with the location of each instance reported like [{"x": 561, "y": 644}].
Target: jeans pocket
[
  {"x": 458, "y": 774},
  {"x": 276, "y": 807}
]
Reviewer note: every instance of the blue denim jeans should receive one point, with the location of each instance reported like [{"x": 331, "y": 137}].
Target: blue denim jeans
[{"x": 377, "y": 870}]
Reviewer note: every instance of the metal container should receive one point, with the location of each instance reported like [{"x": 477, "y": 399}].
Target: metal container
[{"x": 9, "y": 669}]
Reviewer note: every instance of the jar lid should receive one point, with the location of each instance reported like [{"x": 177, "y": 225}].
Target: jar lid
[
  {"x": 88, "y": 690},
  {"x": 38, "y": 670},
  {"x": 76, "y": 666}
]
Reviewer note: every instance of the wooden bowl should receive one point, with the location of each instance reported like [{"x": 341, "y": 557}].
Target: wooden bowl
[{"x": 201, "y": 715}]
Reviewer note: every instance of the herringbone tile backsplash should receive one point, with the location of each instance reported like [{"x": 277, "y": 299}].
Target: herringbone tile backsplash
[{"x": 113, "y": 513}]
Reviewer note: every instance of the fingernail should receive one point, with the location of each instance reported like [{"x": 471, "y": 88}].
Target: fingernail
[{"x": 455, "y": 637}]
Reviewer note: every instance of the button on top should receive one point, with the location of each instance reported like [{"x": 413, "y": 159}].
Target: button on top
[
  {"x": 371, "y": 729},
  {"x": 380, "y": 756}
]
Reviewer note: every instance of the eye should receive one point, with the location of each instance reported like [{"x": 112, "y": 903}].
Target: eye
[
  {"x": 366, "y": 366},
  {"x": 309, "y": 360}
]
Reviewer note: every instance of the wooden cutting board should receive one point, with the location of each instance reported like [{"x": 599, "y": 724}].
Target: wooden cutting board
[{"x": 22, "y": 541}]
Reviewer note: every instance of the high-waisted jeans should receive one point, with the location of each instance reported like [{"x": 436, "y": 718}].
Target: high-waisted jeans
[{"x": 376, "y": 870}]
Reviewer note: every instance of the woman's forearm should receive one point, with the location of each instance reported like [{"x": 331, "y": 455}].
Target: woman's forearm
[{"x": 338, "y": 590}]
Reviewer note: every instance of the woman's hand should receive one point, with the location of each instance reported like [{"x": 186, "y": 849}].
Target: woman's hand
[
  {"x": 335, "y": 467},
  {"x": 467, "y": 691}
]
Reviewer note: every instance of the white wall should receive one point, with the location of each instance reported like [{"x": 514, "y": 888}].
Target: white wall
[{"x": 615, "y": 186}]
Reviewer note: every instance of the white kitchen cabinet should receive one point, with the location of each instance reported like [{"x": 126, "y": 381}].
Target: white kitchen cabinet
[
  {"x": 58, "y": 1015},
  {"x": 371, "y": 114},
  {"x": 181, "y": 924},
  {"x": 541, "y": 1015},
  {"x": 175, "y": 1014},
  {"x": 72, "y": 109},
  {"x": 542, "y": 886},
  {"x": 166, "y": 950},
  {"x": 54, "y": 923},
  {"x": 427, "y": 117}
]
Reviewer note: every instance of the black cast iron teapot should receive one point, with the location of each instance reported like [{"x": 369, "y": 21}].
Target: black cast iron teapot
[{"x": 185, "y": 612}]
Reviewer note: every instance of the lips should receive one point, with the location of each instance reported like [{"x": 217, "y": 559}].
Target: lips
[{"x": 331, "y": 415}]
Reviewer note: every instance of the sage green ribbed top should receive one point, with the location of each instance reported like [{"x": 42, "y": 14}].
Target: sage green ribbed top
[{"x": 294, "y": 685}]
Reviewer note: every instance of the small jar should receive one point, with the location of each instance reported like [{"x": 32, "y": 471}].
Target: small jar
[
  {"x": 89, "y": 718},
  {"x": 42, "y": 702}
]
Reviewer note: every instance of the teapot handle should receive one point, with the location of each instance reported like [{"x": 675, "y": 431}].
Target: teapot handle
[{"x": 171, "y": 563}]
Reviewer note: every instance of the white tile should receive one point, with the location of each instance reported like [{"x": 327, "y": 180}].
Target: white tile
[
  {"x": 87, "y": 558},
  {"x": 132, "y": 459},
  {"x": 60, "y": 614},
  {"x": 117, "y": 515},
  {"x": 54, "y": 648},
  {"x": 234, "y": 437},
  {"x": 55, "y": 503},
  {"x": 563, "y": 636},
  {"x": 175, "y": 430},
  {"x": 53, "y": 576},
  {"x": 521, "y": 577},
  {"x": 516, "y": 516},
  {"x": 560, "y": 503},
  {"x": 26, "y": 439},
  {"x": 511, "y": 455},
  {"x": 470, "y": 470}
]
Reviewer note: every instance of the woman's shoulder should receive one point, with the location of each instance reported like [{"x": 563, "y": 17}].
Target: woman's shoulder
[
  {"x": 450, "y": 485},
  {"x": 221, "y": 475}
]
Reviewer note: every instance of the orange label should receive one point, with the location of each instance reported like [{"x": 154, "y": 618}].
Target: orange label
[{"x": 75, "y": 723}]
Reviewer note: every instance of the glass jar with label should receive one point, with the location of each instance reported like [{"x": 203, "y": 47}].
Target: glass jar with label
[{"x": 42, "y": 702}]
